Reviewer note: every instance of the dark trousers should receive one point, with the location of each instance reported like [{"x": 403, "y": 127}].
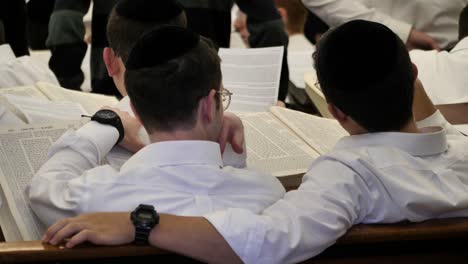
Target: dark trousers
[{"x": 66, "y": 41}]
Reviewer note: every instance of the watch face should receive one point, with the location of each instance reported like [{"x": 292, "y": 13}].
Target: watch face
[
  {"x": 145, "y": 217},
  {"x": 107, "y": 114}
]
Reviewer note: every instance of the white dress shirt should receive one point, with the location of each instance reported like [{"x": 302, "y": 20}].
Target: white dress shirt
[
  {"x": 437, "y": 18},
  {"x": 22, "y": 71},
  {"x": 370, "y": 178},
  {"x": 444, "y": 74},
  {"x": 178, "y": 177}
]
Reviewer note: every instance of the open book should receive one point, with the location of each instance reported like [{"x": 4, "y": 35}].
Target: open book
[
  {"x": 44, "y": 102},
  {"x": 284, "y": 142},
  {"x": 23, "y": 150}
]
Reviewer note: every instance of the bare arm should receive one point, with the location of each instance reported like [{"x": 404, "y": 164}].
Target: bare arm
[{"x": 190, "y": 236}]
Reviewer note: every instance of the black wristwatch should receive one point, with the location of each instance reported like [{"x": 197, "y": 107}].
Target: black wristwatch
[
  {"x": 144, "y": 218},
  {"x": 111, "y": 118}
]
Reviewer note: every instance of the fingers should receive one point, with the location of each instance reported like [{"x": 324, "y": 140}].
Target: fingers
[
  {"x": 53, "y": 229},
  {"x": 67, "y": 231},
  {"x": 80, "y": 237}
]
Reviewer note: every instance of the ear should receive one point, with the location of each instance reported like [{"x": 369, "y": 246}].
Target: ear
[
  {"x": 284, "y": 15},
  {"x": 415, "y": 71},
  {"x": 111, "y": 61},
  {"x": 337, "y": 113},
  {"x": 208, "y": 107}
]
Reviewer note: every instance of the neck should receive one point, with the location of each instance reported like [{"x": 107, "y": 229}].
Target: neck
[
  {"x": 410, "y": 128},
  {"x": 292, "y": 32},
  {"x": 177, "y": 135}
]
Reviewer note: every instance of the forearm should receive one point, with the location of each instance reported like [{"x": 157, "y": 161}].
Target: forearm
[{"x": 194, "y": 237}]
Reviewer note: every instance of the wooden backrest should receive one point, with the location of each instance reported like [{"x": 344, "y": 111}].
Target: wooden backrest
[{"x": 434, "y": 230}]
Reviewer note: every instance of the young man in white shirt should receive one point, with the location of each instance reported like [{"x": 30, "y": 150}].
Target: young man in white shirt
[
  {"x": 389, "y": 170},
  {"x": 445, "y": 74},
  {"x": 423, "y": 24},
  {"x": 181, "y": 171}
]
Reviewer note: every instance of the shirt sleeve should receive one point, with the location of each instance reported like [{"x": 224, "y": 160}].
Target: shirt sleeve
[
  {"x": 302, "y": 224},
  {"x": 267, "y": 30},
  {"x": 61, "y": 185},
  {"x": 337, "y": 12},
  {"x": 437, "y": 119}
]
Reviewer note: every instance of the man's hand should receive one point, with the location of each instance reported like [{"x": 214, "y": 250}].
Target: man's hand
[
  {"x": 98, "y": 228},
  {"x": 232, "y": 132},
  {"x": 420, "y": 40},
  {"x": 132, "y": 126}
]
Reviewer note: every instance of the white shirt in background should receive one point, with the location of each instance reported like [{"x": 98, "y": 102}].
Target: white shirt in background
[
  {"x": 300, "y": 60},
  {"x": 437, "y": 18},
  {"x": 178, "y": 177},
  {"x": 22, "y": 71},
  {"x": 370, "y": 178},
  {"x": 444, "y": 74}
]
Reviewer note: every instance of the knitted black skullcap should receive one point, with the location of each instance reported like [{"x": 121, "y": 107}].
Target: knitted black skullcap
[
  {"x": 358, "y": 52},
  {"x": 160, "y": 46},
  {"x": 151, "y": 11}
]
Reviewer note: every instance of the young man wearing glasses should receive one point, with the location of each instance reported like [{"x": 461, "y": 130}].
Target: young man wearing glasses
[{"x": 181, "y": 171}]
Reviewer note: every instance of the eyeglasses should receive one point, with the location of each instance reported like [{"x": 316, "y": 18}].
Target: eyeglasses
[
  {"x": 225, "y": 97},
  {"x": 317, "y": 85}
]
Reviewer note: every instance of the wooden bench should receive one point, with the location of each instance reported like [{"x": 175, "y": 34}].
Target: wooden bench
[{"x": 431, "y": 242}]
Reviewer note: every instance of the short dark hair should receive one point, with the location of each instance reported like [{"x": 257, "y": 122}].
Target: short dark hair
[
  {"x": 166, "y": 79},
  {"x": 463, "y": 24},
  {"x": 131, "y": 19},
  {"x": 365, "y": 70}
]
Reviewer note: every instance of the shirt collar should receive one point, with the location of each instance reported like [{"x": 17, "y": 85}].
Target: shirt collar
[
  {"x": 461, "y": 45},
  {"x": 431, "y": 141},
  {"x": 170, "y": 153}
]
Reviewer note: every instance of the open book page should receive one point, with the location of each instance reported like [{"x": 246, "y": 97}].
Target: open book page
[
  {"x": 274, "y": 148},
  {"x": 7, "y": 118},
  {"x": 23, "y": 150},
  {"x": 28, "y": 91},
  {"x": 253, "y": 76},
  {"x": 90, "y": 102},
  {"x": 39, "y": 110},
  {"x": 320, "y": 133}
]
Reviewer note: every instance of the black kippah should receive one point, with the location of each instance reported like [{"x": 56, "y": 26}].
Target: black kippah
[
  {"x": 151, "y": 11},
  {"x": 160, "y": 46},
  {"x": 359, "y": 52}
]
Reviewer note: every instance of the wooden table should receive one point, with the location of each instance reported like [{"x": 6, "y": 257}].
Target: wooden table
[{"x": 431, "y": 241}]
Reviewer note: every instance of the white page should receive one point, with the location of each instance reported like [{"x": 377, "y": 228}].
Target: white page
[
  {"x": 40, "y": 110},
  {"x": 320, "y": 133},
  {"x": 462, "y": 128},
  {"x": 90, "y": 102},
  {"x": 23, "y": 150},
  {"x": 273, "y": 148},
  {"x": 7, "y": 118},
  {"x": 300, "y": 63},
  {"x": 253, "y": 76},
  {"x": 29, "y": 91}
]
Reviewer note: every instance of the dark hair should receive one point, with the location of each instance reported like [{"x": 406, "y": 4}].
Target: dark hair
[
  {"x": 166, "y": 94},
  {"x": 463, "y": 24},
  {"x": 365, "y": 70},
  {"x": 131, "y": 19}
]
